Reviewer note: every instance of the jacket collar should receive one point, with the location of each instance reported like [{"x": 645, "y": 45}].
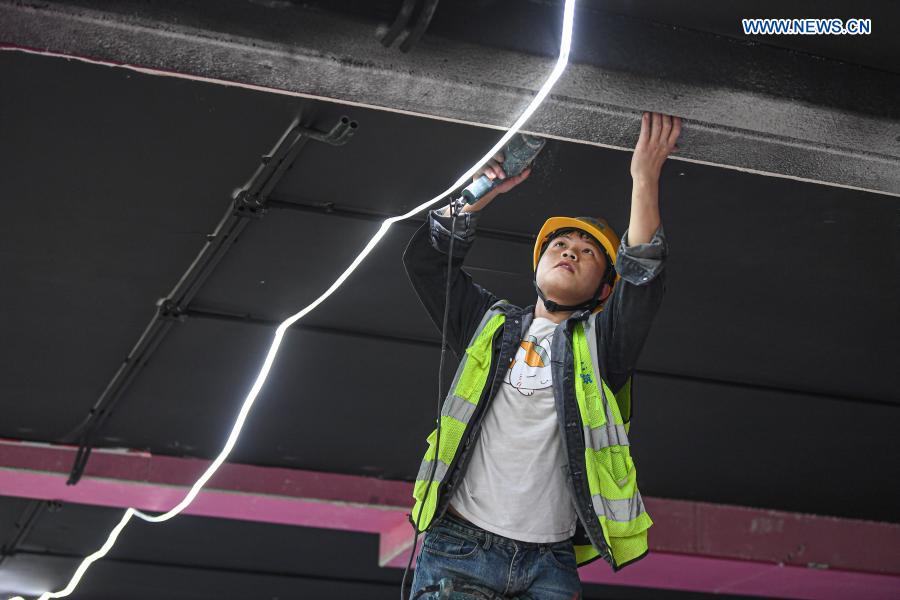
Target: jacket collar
[{"x": 527, "y": 317}]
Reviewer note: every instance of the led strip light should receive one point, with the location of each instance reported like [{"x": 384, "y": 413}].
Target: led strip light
[{"x": 561, "y": 62}]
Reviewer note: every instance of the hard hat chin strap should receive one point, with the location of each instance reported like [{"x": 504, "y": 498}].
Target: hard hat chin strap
[{"x": 553, "y": 307}]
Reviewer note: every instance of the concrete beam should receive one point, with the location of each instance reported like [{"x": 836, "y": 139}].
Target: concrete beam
[
  {"x": 748, "y": 107},
  {"x": 695, "y": 546}
]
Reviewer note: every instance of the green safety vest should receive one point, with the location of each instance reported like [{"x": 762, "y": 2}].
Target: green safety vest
[{"x": 610, "y": 472}]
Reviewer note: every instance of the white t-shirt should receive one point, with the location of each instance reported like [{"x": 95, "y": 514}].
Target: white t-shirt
[{"x": 515, "y": 484}]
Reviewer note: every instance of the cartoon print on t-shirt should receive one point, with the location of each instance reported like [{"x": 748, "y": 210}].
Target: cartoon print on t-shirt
[{"x": 530, "y": 369}]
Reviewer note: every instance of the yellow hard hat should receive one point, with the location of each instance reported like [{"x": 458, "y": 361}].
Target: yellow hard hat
[{"x": 596, "y": 227}]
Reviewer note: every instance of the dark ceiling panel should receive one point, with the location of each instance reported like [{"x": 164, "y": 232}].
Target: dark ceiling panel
[
  {"x": 780, "y": 283},
  {"x": 699, "y": 441},
  {"x": 332, "y": 403},
  {"x": 10, "y": 511},
  {"x": 112, "y": 181},
  {"x": 288, "y": 259}
]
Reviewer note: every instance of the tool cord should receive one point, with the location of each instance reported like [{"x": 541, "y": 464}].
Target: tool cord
[{"x": 437, "y": 441}]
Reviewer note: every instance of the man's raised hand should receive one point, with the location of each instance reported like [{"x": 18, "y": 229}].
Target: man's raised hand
[{"x": 659, "y": 133}]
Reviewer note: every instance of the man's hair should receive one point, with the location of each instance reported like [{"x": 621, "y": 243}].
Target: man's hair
[{"x": 609, "y": 274}]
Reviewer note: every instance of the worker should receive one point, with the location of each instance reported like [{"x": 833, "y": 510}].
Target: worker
[{"x": 534, "y": 476}]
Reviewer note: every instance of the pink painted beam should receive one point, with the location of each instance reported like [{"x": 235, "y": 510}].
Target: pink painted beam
[
  {"x": 130, "y": 465},
  {"x": 773, "y": 536},
  {"x": 394, "y": 546},
  {"x": 726, "y": 576},
  {"x": 119, "y": 479},
  {"x": 695, "y": 546}
]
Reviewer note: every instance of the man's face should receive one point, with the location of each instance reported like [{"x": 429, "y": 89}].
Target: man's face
[{"x": 571, "y": 268}]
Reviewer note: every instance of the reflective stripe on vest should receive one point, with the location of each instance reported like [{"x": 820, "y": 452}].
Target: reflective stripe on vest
[
  {"x": 623, "y": 397},
  {"x": 457, "y": 410},
  {"x": 610, "y": 470}
]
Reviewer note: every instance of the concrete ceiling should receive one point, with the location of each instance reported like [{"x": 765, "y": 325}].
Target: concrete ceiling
[{"x": 769, "y": 379}]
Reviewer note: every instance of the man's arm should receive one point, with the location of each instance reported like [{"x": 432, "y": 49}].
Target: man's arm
[
  {"x": 425, "y": 259},
  {"x": 625, "y": 321},
  {"x": 656, "y": 141}
]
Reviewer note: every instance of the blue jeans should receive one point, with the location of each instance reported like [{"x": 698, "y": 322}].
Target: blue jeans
[{"x": 490, "y": 566}]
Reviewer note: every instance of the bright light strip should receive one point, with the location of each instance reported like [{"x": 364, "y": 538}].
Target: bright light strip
[
  {"x": 561, "y": 62},
  {"x": 89, "y": 560}
]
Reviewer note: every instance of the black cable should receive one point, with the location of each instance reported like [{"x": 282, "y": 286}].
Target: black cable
[{"x": 440, "y": 401}]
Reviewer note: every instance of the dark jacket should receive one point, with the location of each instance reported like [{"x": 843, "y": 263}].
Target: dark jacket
[{"x": 623, "y": 326}]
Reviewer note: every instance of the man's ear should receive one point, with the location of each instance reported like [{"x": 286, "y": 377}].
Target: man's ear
[{"x": 605, "y": 292}]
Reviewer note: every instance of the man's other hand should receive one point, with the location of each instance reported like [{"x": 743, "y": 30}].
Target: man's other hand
[{"x": 494, "y": 170}]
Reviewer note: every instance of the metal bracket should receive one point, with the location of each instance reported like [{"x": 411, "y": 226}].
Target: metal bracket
[
  {"x": 170, "y": 310},
  {"x": 339, "y": 135},
  {"x": 247, "y": 206},
  {"x": 249, "y": 201}
]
